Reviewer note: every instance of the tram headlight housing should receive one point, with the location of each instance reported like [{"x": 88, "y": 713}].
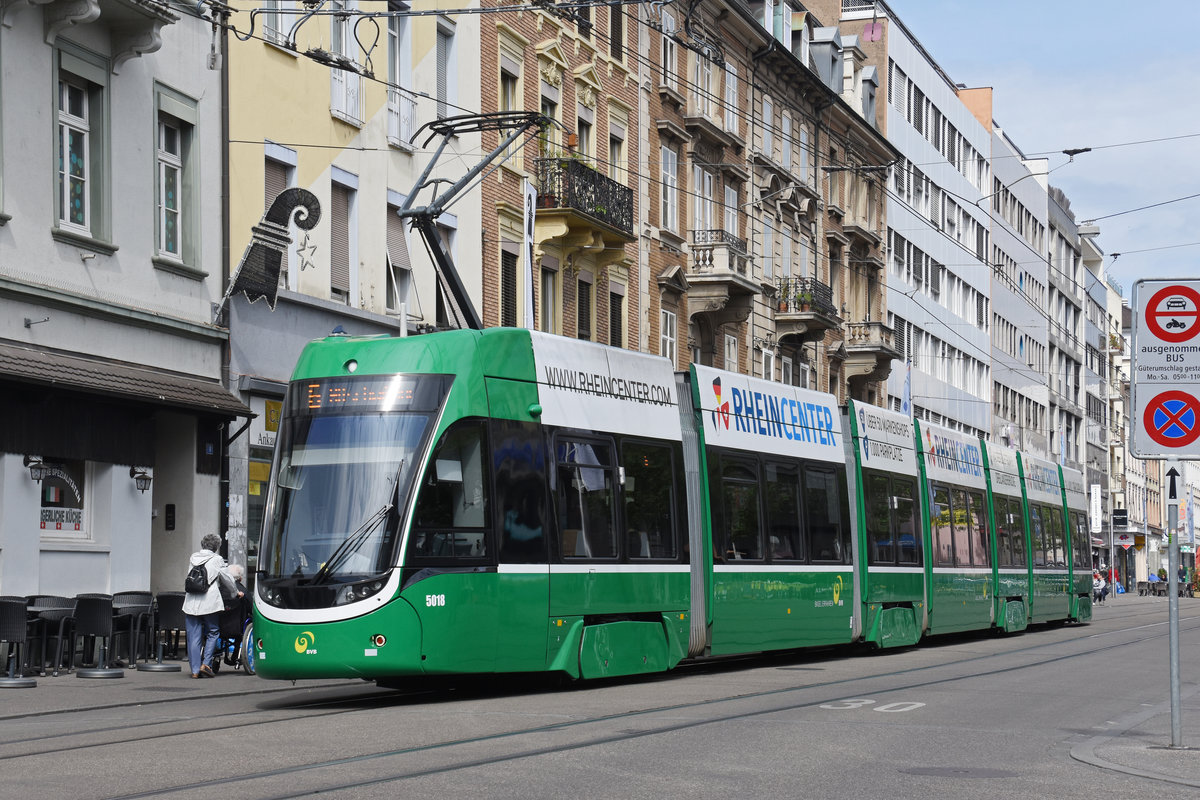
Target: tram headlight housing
[
  {"x": 353, "y": 592},
  {"x": 270, "y": 595}
]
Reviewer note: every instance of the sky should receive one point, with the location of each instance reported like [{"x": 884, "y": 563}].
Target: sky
[{"x": 1113, "y": 76}]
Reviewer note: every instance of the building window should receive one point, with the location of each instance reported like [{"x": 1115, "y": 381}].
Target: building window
[
  {"x": 785, "y": 141},
  {"x": 445, "y": 56},
  {"x": 804, "y": 172},
  {"x": 768, "y": 248},
  {"x": 768, "y": 365},
  {"x": 702, "y": 199},
  {"x": 731, "y": 210},
  {"x": 731, "y": 352},
  {"x": 170, "y": 185},
  {"x": 669, "y": 53},
  {"x": 785, "y": 266},
  {"x": 616, "y": 319},
  {"x": 768, "y": 128},
  {"x": 549, "y": 297},
  {"x": 279, "y": 174},
  {"x": 402, "y": 105},
  {"x": 583, "y": 132},
  {"x": 785, "y": 370},
  {"x": 63, "y": 500},
  {"x": 275, "y": 23},
  {"x": 399, "y": 271},
  {"x": 668, "y": 336},
  {"x": 345, "y": 85},
  {"x": 583, "y": 309},
  {"x": 731, "y": 99},
  {"x": 616, "y": 31},
  {"x": 670, "y": 189},
  {"x": 343, "y": 233},
  {"x": 702, "y": 93},
  {"x": 616, "y": 157},
  {"x": 74, "y": 156},
  {"x": 508, "y": 285}
]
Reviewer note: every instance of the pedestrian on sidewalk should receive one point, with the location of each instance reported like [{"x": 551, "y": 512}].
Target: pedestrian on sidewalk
[{"x": 202, "y": 610}]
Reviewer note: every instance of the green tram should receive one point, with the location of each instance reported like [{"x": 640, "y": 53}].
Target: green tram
[
  {"x": 1081, "y": 544},
  {"x": 510, "y": 501},
  {"x": 1007, "y": 512}
]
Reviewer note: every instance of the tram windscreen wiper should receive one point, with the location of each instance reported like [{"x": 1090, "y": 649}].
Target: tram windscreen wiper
[{"x": 350, "y": 545}]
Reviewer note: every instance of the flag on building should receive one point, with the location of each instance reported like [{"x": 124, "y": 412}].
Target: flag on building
[{"x": 906, "y": 395}]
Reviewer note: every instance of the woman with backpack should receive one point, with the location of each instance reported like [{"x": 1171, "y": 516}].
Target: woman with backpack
[{"x": 203, "y": 605}]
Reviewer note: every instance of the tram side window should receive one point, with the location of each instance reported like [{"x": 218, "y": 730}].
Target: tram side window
[
  {"x": 1017, "y": 517},
  {"x": 980, "y": 551},
  {"x": 651, "y": 498},
  {"x": 881, "y": 544},
  {"x": 1056, "y": 554},
  {"x": 1008, "y": 537},
  {"x": 1037, "y": 536},
  {"x": 741, "y": 525},
  {"x": 905, "y": 521},
  {"x": 943, "y": 531},
  {"x": 891, "y": 526},
  {"x": 783, "y": 511},
  {"x": 586, "y": 495},
  {"x": 519, "y": 464},
  {"x": 450, "y": 515},
  {"x": 1083, "y": 542},
  {"x": 962, "y": 528},
  {"x": 826, "y": 509}
]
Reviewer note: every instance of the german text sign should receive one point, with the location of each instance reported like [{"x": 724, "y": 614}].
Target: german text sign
[{"x": 1166, "y": 369}]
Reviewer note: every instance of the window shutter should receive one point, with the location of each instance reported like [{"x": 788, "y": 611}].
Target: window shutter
[
  {"x": 443, "y": 67},
  {"x": 339, "y": 248},
  {"x": 508, "y": 289},
  {"x": 276, "y": 182},
  {"x": 584, "y": 310},
  {"x": 616, "y": 333}
]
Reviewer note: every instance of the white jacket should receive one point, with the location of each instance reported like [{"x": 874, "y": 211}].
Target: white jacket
[{"x": 210, "y": 602}]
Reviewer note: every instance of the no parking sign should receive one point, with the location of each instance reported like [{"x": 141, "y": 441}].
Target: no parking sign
[{"x": 1166, "y": 369}]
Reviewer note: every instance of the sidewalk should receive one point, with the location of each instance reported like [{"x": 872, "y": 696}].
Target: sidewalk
[{"x": 68, "y": 692}]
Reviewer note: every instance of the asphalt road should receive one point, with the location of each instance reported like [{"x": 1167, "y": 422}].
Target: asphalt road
[{"x": 1060, "y": 711}]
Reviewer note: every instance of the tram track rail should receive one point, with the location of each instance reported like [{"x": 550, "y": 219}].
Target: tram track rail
[{"x": 596, "y": 730}]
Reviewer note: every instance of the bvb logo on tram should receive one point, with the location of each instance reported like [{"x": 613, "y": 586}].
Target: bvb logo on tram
[{"x": 303, "y": 641}]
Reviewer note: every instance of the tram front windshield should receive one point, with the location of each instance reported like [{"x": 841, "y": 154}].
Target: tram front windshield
[{"x": 347, "y": 453}]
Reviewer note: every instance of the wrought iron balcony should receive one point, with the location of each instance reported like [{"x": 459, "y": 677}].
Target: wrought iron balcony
[
  {"x": 806, "y": 309},
  {"x": 805, "y": 295},
  {"x": 567, "y": 183}
]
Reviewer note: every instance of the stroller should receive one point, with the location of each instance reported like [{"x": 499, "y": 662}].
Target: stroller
[{"x": 235, "y": 647}]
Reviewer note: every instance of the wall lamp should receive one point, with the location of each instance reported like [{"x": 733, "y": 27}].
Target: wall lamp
[
  {"x": 37, "y": 470},
  {"x": 141, "y": 478}
]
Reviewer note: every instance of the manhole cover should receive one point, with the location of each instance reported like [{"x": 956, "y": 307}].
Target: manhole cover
[{"x": 960, "y": 772}]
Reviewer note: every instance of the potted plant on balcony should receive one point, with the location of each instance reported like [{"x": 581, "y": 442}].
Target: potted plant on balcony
[{"x": 805, "y": 300}]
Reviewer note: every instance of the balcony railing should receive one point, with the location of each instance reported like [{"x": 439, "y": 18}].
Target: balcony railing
[
  {"x": 869, "y": 335},
  {"x": 402, "y": 117},
  {"x": 800, "y": 294},
  {"x": 569, "y": 183},
  {"x": 717, "y": 250}
]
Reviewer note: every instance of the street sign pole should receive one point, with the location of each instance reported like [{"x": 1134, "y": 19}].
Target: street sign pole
[
  {"x": 1173, "y": 594},
  {"x": 1166, "y": 415}
]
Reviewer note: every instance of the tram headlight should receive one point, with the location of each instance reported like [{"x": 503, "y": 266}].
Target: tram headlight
[
  {"x": 353, "y": 592},
  {"x": 270, "y": 595}
]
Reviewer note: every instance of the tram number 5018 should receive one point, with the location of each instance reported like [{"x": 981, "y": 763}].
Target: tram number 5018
[{"x": 434, "y": 600}]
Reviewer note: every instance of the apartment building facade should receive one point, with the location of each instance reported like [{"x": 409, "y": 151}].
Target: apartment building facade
[
  {"x": 329, "y": 102},
  {"x": 111, "y": 147}
]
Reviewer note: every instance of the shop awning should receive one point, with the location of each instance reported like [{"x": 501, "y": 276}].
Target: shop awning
[{"x": 119, "y": 380}]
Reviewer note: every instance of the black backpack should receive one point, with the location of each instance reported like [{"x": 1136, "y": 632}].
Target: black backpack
[{"x": 197, "y": 581}]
